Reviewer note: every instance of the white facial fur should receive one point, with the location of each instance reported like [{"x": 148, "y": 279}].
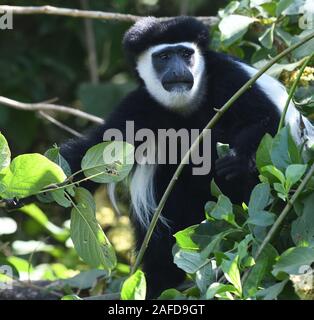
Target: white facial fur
[{"x": 186, "y": 100}]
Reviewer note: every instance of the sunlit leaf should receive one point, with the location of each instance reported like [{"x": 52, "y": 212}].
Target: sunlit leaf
[
  {"x": 233, "y": 27},
  {"x": 134, "y": 288},
  {"x": 28, "y": 174},
  {"x": 5, "y": 153},
  {"x": 108, "y": 161}
]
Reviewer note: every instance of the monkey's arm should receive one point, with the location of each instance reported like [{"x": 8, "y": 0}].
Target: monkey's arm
[{"x": 130, "y": 109}]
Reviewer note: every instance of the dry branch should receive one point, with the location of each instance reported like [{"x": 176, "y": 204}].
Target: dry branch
[
  {"x": 75, "y": 13},
  {"x": 60, "y": 124},
  {"x": 49, "y": 107}
]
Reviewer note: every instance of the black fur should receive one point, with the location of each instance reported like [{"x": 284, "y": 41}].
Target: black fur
[
  {"x": 243, "y": 126},
  {"x": 149, "y": 32}
]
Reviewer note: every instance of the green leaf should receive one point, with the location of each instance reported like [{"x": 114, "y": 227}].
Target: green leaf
[
  {"x": 259, "y": 198},
  {"x": 229, "y": 9},
  {"x": 307, "y": 48},
  {"x": 234, "y": 27},
  {"x": 88, "y": 238},
  {"x": 306, "y": 105},
  {"x": 222, "y": 149},
  {"x": 243, "y": 247},
  {"x": 108, "y": 161},
  {"x": 272, "y": 292},
  {"x": 282, "y": 193},
  {"x": 134, "y": 288},
  {"x": 60, "y": 197},
  {"x": 204, "y": 233},
  {"x": 285, "y": 36},
  {"x": 283, "y": 5},
  {"x": 262, "y": 218},
  {"x": 270, "y": 8},
  {"x": 285, "y": 150},
  {"x": 267, "y": 38},
  {"x": 256, "y": 3},
  {"x": 302, "y": 229},
  {"x": 214, "y": 244},
  {"x": 84, "y": 280},
  {"x": 184, "y": 240},
  {"x": 232, "y": 273},
  {"x": 214, "y": 189},
  {"x": 71, "y": 297},
  {"x": 54, "y": 155},
  {"x": 204, "y": 277},
  {"x": 219, "y": 290},
  {"x": 294, "y": 173},
  {"x": 223, "y": 210},
  {"x": 295, "y": 8},
  {"x": 293, "y": 259},
  {"x": 259, "y": 271},
  {"x": 5, "y": 153},
  {"x": 274, "y": 172},
  {"x": 172, "y": 294},
  {"x": 263, "y": 157},
  {"x": 189, "y": 261},
  {"x": 28, "y": 174}
]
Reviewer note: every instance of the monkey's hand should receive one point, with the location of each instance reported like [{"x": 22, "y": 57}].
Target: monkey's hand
[{"x": 233, "y": 166}]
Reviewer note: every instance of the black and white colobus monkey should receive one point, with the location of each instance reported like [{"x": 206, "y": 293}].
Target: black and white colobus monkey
[{"x": 181, "y": 81}]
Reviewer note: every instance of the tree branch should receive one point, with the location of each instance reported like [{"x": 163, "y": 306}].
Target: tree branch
[
  {"x": 75, "y": 13},
  {"x": 49, "y": 107},
  {"x": 60, "y": 124},
  {"x": 90, "y": 46}
]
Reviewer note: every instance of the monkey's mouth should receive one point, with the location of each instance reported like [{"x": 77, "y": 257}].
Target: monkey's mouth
[{"x": 178, "y": 85}]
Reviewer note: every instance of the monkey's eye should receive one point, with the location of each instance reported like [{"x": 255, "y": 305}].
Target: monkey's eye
[
  {"x": 164, "y": 56},
  {"x": 187, "y": 54}
]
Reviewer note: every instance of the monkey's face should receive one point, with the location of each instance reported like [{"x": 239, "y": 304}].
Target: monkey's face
[
  {"x": 173, "y": 67},
  {"x": 173, "y": 74}
]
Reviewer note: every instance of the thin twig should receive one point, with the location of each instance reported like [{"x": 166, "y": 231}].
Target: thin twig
[
  {"x": 292, "y": 90},
  {"x": 49, "y": 107},
  {"x": 90, "y": 46},
  {"x": 210, "y": 125},
  {"x": 75, "y": 13},
  {"x": 60, "y": 124}
]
